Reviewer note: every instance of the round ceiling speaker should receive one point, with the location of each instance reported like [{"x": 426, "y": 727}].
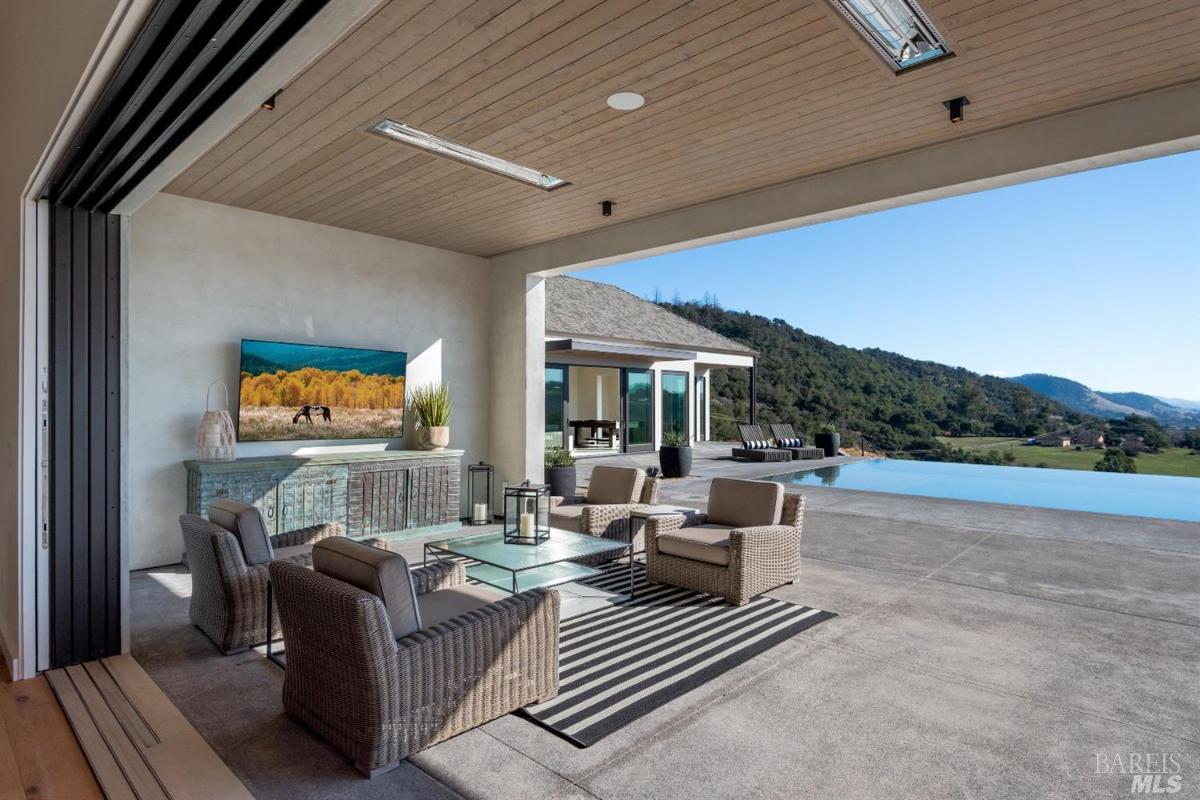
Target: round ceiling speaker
[{"x": 626, "y": 101}]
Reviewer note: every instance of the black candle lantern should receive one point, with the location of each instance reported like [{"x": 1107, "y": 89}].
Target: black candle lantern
[
  {"x": 479, "y": 492},
  {"x": 527, "y": 513}
]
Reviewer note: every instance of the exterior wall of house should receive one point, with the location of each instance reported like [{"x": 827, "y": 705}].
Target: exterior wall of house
[
  {"x": 203, "y": 276},
  {"x": 583, "y": 407}
]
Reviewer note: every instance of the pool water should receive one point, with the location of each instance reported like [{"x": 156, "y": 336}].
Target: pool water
[{"x": 1161, "y": 496}]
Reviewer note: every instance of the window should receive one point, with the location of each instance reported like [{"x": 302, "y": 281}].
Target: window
[
  {"x": 897, "y": 29},
  {"x": 444, "y": 147}
]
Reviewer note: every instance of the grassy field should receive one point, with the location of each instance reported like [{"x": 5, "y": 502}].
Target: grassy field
[
  {"x": 1172, "y": 461},
  {"x": 274, "y": 423}
]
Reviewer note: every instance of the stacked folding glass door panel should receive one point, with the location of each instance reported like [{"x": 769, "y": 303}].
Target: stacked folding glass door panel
[
  {"x": 556, "y": 406},
  {"x": 674, "y": 397},
  {"x": 637, "y": 395}
]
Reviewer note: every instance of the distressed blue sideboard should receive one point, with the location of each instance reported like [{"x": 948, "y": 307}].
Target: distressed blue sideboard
[{"x": 372, "y": 494}]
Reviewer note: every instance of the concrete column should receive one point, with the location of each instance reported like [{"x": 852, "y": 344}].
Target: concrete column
[{"x": 518, "y": 375}]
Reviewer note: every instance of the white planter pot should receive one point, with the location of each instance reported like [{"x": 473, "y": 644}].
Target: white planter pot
[{"x": 435, "y": 438}]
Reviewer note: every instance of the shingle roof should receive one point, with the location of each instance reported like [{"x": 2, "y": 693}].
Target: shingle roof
[{"x": 586, "y": 308}]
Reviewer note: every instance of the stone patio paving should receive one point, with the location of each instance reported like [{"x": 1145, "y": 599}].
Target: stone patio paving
[{"x": 981, "y": 651}]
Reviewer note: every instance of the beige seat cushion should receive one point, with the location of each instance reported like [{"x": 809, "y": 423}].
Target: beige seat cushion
[
  {"x": 744, "y": 504},
  {"x": 568, "y": 517},
  {"x": 379, "y": 572},
  {"x": 708, "y": 543},
  {"x": 293, "y": 551},
  {"x": 615, "y": 486},
  {"x": 449, "y": 603}
]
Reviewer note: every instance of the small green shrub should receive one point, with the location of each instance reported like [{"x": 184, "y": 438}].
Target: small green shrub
[
  {"x": 558, "y": 457},
  {"x": 675, "y": 439}
]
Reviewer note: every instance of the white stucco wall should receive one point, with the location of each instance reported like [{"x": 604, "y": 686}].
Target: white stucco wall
[{"x": 203, "y": 276}]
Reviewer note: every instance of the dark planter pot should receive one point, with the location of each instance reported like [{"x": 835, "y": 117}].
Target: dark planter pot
[
  {"x": 561, "y": 481},
  {"x": 676, "y": 462},
  {"x": 829, "y": 442}
]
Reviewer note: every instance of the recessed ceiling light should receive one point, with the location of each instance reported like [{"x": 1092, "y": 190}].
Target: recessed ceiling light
[
  {"x": 899, "y": 30},
  {"x": 448, "y": 149},
  {"x": 626, "y": 101}
]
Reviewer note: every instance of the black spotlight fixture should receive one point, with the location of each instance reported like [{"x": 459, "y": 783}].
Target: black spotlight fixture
[
  {"x": 955, "y": 107},
  {"x": 269, "y": 103},
  {"x": 606, "y": 208}
]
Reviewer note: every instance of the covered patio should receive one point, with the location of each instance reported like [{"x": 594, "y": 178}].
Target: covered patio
[
  {"x": 917, "y": 687},
  {"x": 413, "y": 178}
]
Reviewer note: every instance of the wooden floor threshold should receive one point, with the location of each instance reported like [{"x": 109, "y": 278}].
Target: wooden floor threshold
[{"x": 138, "y": 743}]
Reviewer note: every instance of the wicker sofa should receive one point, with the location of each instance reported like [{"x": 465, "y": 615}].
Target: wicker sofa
[
  {"x": 383, "y": 661},
  {"x": 604, "y": 510},
  {"x": 228, "y": 562},
  {"x": 756, "y": 446},
  {"x": 746, "y": 544}
]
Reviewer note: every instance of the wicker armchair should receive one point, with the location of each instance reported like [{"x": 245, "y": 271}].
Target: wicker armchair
[
  {"x": 604, "y": 511},
  {"x": 229, "y": 596},
  {"x": 748, "y": 542},
  {"x": 379, "y": 699}
]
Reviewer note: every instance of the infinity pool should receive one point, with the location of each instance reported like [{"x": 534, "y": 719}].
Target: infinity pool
[{"x": 1075, "y": 490}]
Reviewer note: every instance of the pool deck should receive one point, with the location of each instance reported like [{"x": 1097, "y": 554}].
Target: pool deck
[{"x": 980, "y": 650}]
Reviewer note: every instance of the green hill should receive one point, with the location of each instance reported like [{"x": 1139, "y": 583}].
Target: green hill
[{"x": 897, "y": 402}]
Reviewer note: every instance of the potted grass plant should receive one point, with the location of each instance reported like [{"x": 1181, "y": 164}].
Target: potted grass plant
[
  {"x": 675, "y": 455},
  {"x": 828, "y": 439},
  {"x": 431, "y": 405},
  {"x": 560, "y": 472}
]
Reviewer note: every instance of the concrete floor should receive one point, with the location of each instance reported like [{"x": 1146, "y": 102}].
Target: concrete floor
[{"x": 981, "y": 651}]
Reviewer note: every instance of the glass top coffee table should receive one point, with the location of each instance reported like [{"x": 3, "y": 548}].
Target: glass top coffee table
[{"x": 519, "y": 567}]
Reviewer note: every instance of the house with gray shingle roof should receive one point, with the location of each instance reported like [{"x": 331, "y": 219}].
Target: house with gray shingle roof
[{"x": 622, "y": 371}]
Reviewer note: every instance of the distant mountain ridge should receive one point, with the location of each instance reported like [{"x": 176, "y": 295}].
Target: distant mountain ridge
[
  {"x": 899, "y": 403},
  {"x": 1110, "y": 405}
]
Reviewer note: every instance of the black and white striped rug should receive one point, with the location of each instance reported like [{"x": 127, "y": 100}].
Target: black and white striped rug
[{"x": 620, "y": 663}]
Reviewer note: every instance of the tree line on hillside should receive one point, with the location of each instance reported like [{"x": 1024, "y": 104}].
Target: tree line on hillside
[{"x": 898, "y": 403}]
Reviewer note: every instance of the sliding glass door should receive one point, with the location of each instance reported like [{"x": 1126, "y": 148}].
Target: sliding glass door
[
  {"x": 556, "y": 406},
  {"x": 637, "y": 391},
  {"x": 675, "y": 405}
]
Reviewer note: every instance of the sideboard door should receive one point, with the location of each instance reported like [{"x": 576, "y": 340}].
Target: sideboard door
[
  {"x": 311, "y": 496},
  {"x": 256, "y": 488},
  {"x": 433, "y": 495},
  {"x": 378, "y": 501}
]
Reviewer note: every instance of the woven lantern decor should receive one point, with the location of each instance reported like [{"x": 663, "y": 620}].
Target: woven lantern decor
[{"x": 215, "y": 438}]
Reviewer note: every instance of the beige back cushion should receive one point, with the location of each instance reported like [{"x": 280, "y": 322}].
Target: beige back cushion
[
  {"x": 246, "y": 523},
  {"x": 379, "y": 572},
  {"x": 615, "y": 486},
  {"x": 745, "y": 504}
]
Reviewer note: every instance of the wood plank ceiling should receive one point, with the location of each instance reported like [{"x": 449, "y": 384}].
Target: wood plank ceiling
[{"x": 740, "y": 94}]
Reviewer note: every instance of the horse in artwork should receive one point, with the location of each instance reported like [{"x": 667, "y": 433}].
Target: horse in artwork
[{"x": 306, "y": 413}]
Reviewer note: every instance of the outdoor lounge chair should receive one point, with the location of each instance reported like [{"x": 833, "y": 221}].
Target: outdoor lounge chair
[
  {"x": 756, "y": 447},
  {"x": 746, "y": 544},
  {"x": 786, "y": 438},
  {"x": 383, "y": 661},
  {"x": 228, "y": 554},
  {"x": 604, "y": 510}
]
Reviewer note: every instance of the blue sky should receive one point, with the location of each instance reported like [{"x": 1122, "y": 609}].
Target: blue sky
[{"x": 1094, "y": 276}]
